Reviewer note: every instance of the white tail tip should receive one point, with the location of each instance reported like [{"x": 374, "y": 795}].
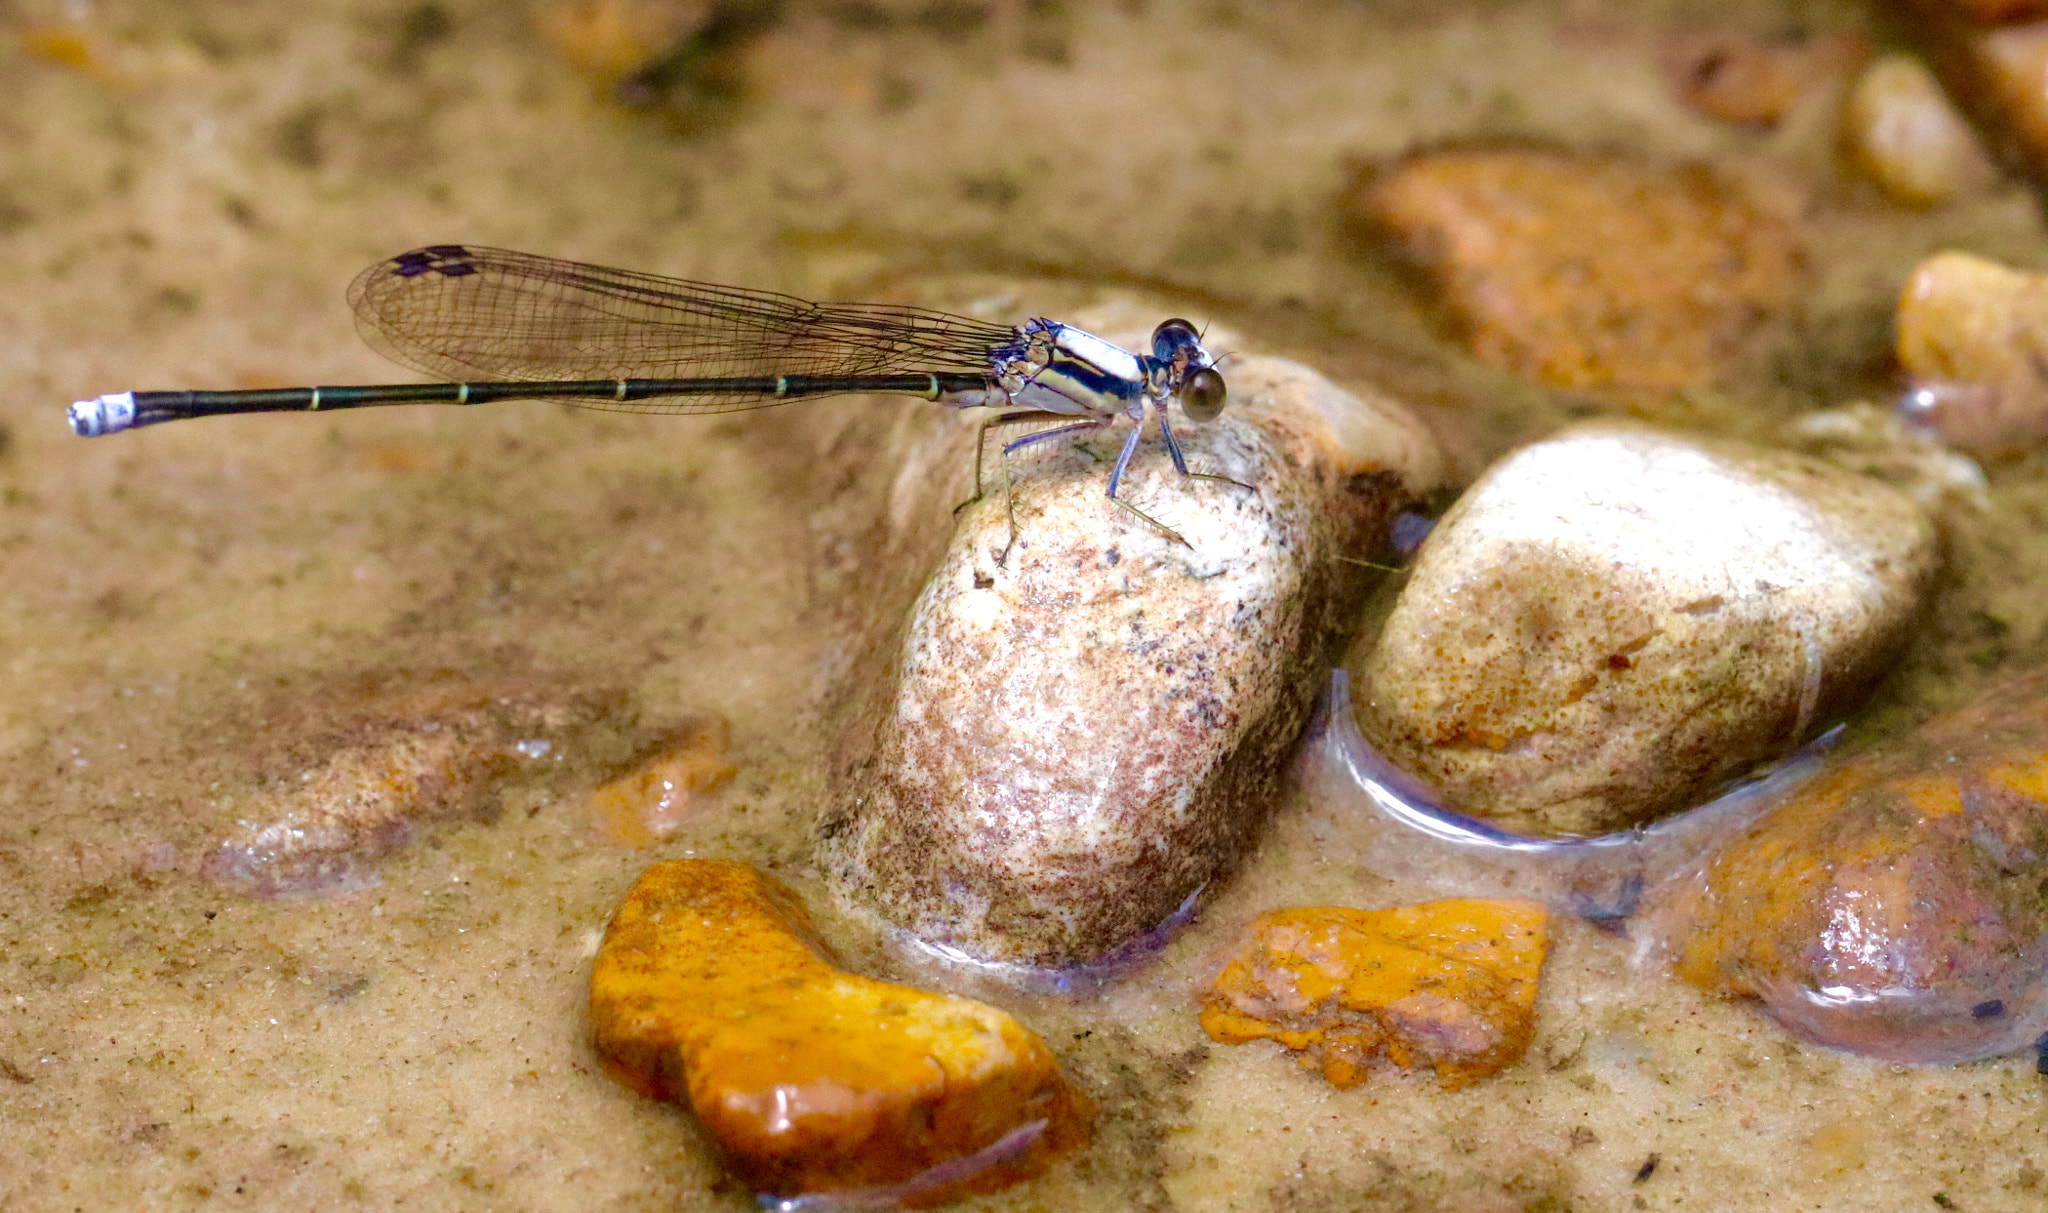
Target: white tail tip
[{"x": 103, "y": 414}]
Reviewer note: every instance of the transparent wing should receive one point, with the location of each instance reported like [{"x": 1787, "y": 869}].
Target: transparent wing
[{"x": 466, "y": 312}]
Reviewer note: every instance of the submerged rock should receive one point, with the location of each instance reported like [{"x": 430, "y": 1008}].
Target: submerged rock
[
  {"x": 651, "y": 802},
  {"x": 1448, "y": 984},
  {"x": 1898, "y": 905},
  {"x": 710, "y": 988},
  {"x": 1973, "y": 337},
  {"x": 1080, "y": 730},
  {"x": 1614, "y": 621},
  {"x": 371, "y": 767},
  {"x": 1592, "y": 273}
]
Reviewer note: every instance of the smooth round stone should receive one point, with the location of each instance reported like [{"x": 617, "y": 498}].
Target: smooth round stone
[
  {"x": 1612, "y": 622},
  {"x": 1083, "y": 734},
  {"x": 1900, "y": 130},
  {"x": 1973, "y": 336},
  {"x": 1893, "y": 906}
]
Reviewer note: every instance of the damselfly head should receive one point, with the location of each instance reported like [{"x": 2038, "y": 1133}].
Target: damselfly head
[
  {"x": 1202, "y": 396},
  {"x": 1177, "y": 344}
]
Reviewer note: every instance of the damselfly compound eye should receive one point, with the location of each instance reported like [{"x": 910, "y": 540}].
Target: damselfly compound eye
[
  {"x": 1173, "y": 336},
  {"x": 1201, "y": 397}
]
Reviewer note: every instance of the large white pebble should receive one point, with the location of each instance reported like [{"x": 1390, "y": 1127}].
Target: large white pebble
[{"x": 1614, "y": 621}]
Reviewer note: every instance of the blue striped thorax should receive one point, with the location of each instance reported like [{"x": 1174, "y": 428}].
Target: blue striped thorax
[{"x": 1058, "y": 368}]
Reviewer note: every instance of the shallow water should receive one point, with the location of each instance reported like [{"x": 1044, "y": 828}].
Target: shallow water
[{"x": 182, "y": 206}]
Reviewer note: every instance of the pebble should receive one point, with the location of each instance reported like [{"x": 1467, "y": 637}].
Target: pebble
[
  {"x": 1973, "y": 339},
  {"x": 1077, "y": 739},
  {"x": 2000, "y": 78},
  {"x": 711, "y": 988},
  {"x": 1899, "y": 129},
  {"x": 647, "y": 805},
  {"x": 372, "y": 767},
  {"x": 1752, "y": 81},
  {"x": 1597, "y": 274},
  {"x": 1613, "y": 622},
  {"x": 609, "y": 40},
  {"x": 1993, "y": 12},
  {"x": 1894, "y": 906},
  {"x": 1875, "y": 441},
  {"x": 1448, "y": 984}
]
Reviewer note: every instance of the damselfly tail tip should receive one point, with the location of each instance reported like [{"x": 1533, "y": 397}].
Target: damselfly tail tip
[{"x": 102, "y": 414}]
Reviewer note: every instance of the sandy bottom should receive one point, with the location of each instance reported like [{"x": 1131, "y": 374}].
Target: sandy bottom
[{"x": 180, "y": 206}]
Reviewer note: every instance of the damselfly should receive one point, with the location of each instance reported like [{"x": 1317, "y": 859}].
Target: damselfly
[{"x": 505, "y": 325}]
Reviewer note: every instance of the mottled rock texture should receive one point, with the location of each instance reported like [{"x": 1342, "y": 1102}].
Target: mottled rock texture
[
  {"x": 711, "y": 989},
  {"x": 1614, "y": 621},
  {"x": 1448, "y": 984},
  {"x": 1597, "y": 274},
  {"x": 368, "y": 766},
  {"x": 1069, "y": 742}
]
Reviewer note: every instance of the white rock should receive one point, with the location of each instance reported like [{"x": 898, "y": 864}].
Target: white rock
[
  {"x": 1612, "y": 622},
  {"x": 1091, "y": 729}
]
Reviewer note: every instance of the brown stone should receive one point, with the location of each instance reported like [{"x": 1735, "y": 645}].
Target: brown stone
[
  {"x": 1994, "y": 12},
  {"x": 370, "y": 767},
  {"x": 1448, "y": 984},
  {"x": 1592, "y": 273},
  {"x": 646, "y": 805},
  {"x": 712, "y": 989},
  {"x": 1999, "y": 76},
  {"x": 1751, "y": 81}
]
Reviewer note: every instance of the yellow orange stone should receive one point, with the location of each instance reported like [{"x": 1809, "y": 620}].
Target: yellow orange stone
[
  {"x": 642, "y": 808},
  {"x": 711, "y": 987},
  {"x": 1450, "y": 984},
  {"x": 1596, "y": 274},
  {"x": 1893, "y": 905},
  {"x": 610, "y": 39},
  {"x": 1971, "y": 319},
  {"x": 1901, "y": 131}
]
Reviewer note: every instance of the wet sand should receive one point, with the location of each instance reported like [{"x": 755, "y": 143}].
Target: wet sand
[{"x": 181, "y": 206}]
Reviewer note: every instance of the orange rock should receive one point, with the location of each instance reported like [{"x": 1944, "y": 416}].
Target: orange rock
[
  {"x": 610, "y": 39},
  {"x": 1972, "y": 335},
  {"x": 1893, "y": 906},
  {"x": 1450, "y": 984},
  {"x": 641, "y": 809},
  {"x": 1591, "y": 273},
  {"x": 1754, "y": 82},
  {"x": 71, "y": 45},
  {"x": 710, "y": 987}
]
